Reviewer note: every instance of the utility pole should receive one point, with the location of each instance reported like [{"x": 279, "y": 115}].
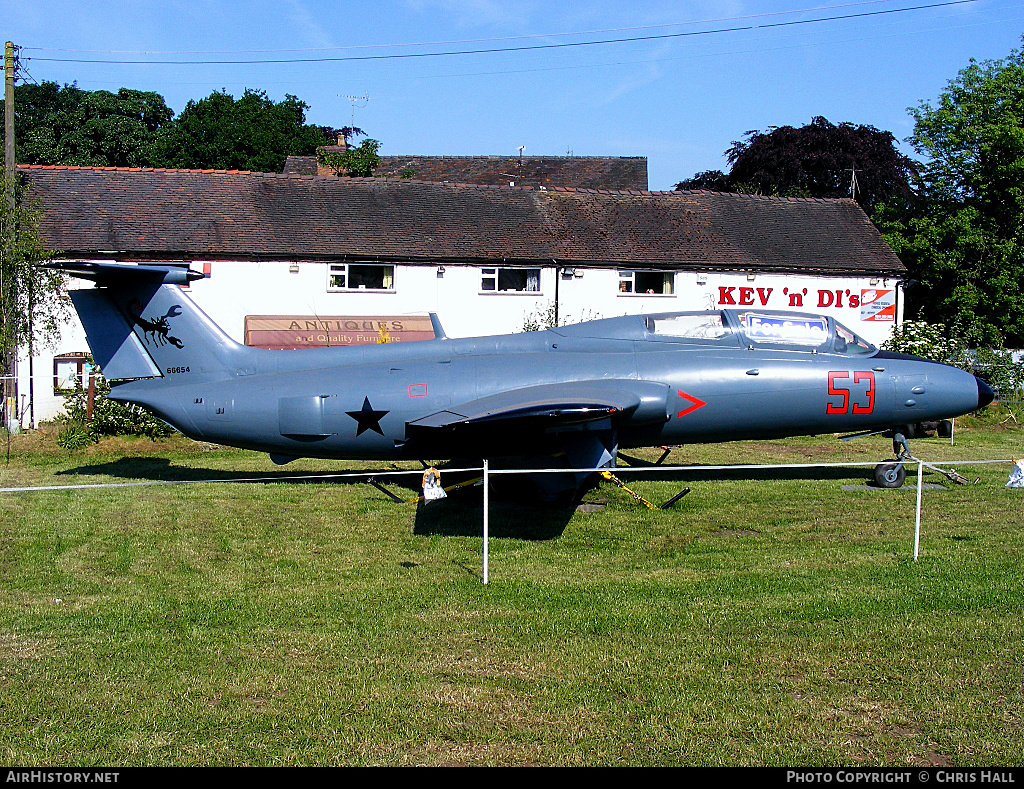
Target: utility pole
[
  {"x": 9, "y": 49},
  {"x": 9, "y": 384}
]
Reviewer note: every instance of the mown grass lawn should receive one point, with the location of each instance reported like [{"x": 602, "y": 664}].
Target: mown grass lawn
[{"x": 768, "y": 618}]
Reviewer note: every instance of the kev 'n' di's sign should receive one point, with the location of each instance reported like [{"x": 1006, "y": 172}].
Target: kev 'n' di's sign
[
  {"x": 288, "y": 332},
  {"x": 874, "y": 304}
]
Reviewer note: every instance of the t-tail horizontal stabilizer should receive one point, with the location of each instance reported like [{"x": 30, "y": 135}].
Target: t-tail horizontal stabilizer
[{"x": 112, "y": 274}]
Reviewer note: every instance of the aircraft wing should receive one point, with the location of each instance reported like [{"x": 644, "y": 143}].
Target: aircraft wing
[{"x": 557, "y": 406}]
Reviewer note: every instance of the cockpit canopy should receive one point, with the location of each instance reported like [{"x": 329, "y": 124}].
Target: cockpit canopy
[{"x": 764, "y": 328}]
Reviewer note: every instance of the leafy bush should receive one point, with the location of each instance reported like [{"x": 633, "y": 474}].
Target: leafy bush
[
  {"x": 927, "y": 340},
  {"x": 545, "y": 317},
  {"x": 109, "y": 417},
  {"x": 933, "y": 341},
  {"x": 541, "y": 318},
  {"x": 74, "y": 436},
  {"x": 358, "y": 162}
]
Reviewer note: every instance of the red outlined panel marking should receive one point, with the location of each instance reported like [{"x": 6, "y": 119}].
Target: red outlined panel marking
[{"x": 417, "y": 390}]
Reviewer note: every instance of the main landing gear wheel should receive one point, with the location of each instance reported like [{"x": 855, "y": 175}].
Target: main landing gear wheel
[{"x": 890, "y": 475}]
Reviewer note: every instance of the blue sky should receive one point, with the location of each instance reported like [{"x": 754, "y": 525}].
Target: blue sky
[{"x": 679, "y": 95}]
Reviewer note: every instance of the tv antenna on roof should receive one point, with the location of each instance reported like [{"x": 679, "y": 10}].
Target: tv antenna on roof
[{"x": 354, "y": 100}]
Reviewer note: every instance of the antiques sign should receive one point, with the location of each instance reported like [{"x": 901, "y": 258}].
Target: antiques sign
[{"x": 288, "y": 332}]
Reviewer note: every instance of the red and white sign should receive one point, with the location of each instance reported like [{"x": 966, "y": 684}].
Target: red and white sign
[{"x": 878, "y": 305}]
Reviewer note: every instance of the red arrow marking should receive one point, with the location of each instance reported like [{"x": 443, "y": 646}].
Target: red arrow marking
[{"x": 696, "y": 401}]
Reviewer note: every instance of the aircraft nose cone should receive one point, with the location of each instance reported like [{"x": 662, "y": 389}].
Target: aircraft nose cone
[{"x": 985, "y": 393}]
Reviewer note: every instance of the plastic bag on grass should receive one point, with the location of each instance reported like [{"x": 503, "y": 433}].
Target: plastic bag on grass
[
  {"x": 1017, "y": 475},
  {"x": 432, "y": 490}
]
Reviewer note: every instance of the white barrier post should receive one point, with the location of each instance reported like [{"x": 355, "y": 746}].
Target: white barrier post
[
  {"x": 917, "y": 526},
  {"x": 487, "y": 528}
]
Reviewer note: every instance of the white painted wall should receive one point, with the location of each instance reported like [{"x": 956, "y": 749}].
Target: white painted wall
[{"x": 236, "y": 289}]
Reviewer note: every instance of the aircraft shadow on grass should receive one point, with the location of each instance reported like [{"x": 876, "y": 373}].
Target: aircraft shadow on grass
[
  {"x": 717, "y": 474},
  {"x": 160, "y": 469},
  {"x": 459, "y": 515}
]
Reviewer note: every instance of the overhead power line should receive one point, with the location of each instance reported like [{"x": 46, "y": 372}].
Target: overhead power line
[
  {"x": 453, "y": 42},
  {"x": 525, "y": 48}
]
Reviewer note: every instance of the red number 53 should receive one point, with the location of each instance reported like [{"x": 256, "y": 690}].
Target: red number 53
[{"x": 838, "y": 386}]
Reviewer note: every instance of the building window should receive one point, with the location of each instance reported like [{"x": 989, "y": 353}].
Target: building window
[
  {"x": 646, "y": 283},
  {"x": 510, "y": 280},
  {"x": 360, "y": 276},
  {"x": 69, "y": 371}
]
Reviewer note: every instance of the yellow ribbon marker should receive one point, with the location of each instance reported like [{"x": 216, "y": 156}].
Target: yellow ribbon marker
[{"x": 612, "y": 478}]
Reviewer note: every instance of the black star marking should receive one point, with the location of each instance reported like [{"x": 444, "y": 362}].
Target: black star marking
[{"x": 367, "y": 418}]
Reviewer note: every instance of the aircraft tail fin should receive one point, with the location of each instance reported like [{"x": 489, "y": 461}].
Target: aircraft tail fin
[
  {"x": 140, "y": 324},
  {"x": 435, "y": 324}
]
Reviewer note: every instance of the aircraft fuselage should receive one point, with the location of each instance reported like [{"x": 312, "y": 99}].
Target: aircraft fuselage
[{"x": 521, "y": 394}]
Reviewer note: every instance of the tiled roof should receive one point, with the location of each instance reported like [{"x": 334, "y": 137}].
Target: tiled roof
[
  {"x": 147, "y": 214},
  {"x": 583, "y": 172}
]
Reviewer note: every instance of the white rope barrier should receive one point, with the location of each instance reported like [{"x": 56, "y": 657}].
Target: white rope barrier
[
  {"x": 493, "y": 471},
  {"x": 488, "y": 472}
]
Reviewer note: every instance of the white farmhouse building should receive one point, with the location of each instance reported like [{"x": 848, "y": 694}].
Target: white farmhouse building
[{"x": 295, "y": 261}]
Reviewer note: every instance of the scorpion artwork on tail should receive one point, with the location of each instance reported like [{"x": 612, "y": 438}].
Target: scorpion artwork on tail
[{"x": 156, "y": 330}]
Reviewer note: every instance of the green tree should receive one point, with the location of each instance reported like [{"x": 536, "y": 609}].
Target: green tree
[
  {"x": 819, "y": 159},
  {"x": 358, "y": 162},
  {"x": 962, "y": 238},
  {"x": 710, "y": 180},
  {"x": 70, "y": 126},
  {"x": 250, "y": 133},
  {"x": 31, "y": 311}
]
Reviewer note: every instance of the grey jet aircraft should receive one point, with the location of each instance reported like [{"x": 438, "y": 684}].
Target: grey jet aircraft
[{"x": 578, "y": 393}]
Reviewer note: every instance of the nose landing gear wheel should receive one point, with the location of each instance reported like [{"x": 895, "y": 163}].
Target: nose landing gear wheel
[{"x": 890, "y": 475}]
